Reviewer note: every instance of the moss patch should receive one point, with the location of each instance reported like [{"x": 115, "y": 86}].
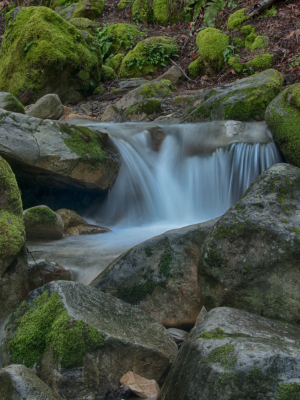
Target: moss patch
[
  {"x": 136, "y": 293},
  {"x": 42, "y": 51},
  {"x": 46, "y": 322},
  {"x": 12, "y": 104},
  {"x": 84, "y": 142},
  {"x": 236, "y": 19},
  {"x": 41, "y": 215},
  {"x": 289, "y": 391},
  {"x": 107, "y": 73},
  {"x": 222, "y": 355},
  {"x": 164, "y": 266},
  {"x": 258, "y": 63}
]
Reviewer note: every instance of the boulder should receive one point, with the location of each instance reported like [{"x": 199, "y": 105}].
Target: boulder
[
  {"x": 41, "y": 223},
  {"x": 90, "y": 9},
  {"x": 243, "y": 100},
  {"x": 140, "y": 386},
  {"x": 86, "y": 229},
  {"x": 43, "y": 52},
  {"x": 142, "y": 60},
  {"x": 18, "y": 383},
  {"x": 56, "y": 155},
  {"x": 82, "y": 341},
  {"x": 211, "y": 44},
  {"x": 160, "y": 275},
  {"x": 8, "y": 102},
  {"x": 231, "y": 354},
  {"x": 140, "y": 110},
  {"x": 250, "y": 259},
  {"x": 70, "y": 218},
  {"x": 131, "y": 83},
  {"x": 13, "y": 256},
  {"x": 283, "y": 119},
  {"x": 47, "y": 107},
  {"x": 110, "y": 114},
  {"x": 41, "y": 272},
  {"x": 152, "y": 89},
  {"x": 174, "y": 75},
  {"x": 157, "y": 137}
]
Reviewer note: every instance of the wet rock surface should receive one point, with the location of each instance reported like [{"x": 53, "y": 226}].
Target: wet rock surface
[
  {"x": 236, "y": 355},
  {"x": 41, "y": 272},
  {"x": 249, "y": 261},
  {"x": 125, "y": 343},
  {"x": 160, "y": 275}
]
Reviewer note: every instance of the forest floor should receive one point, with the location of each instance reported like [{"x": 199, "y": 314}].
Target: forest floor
[{"x": 282, "y": 30}]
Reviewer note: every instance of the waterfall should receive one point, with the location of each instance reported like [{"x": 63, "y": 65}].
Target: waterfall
[{"x": 199, "y": 172}]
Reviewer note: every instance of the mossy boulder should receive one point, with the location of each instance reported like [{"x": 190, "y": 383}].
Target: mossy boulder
[
  {"x": 42, "y": 51},
  {"x": 142, "y": 10},
  {"x": 250, "y": 259},
  {"x": 83, "y": 24},
  {"x": 143, "y": 107},
  {"x": 283, "y": 119},
  {"x": 153, "y": 89},
  {"x": 90, "y": 9},
  {"x": 19, "y": 382},
  {"x": 8, "y": 102},
  {"x": 147, "y": 56},
  {"x": 159, "y": 275},
  {"x": 236, "y": 19},
  {"x": 115, "y": 62},
  {"x": 162, "y": 12},
  {"x": 76, "y": 158},
  {"x": 82, "y": 341},
  {"x": 107, "y": 73},
  {"x": 257, "y": 63},
  {"x": 244, "y": 100},
  {"x": 41, "y": 223},
  {"x": 211, "y": 44},
  {"x": 232, "y": 355}
]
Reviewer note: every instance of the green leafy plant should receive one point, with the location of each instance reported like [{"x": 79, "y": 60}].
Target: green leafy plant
[
  {"x": 228, "y": 52},
  {"x": 156, "y": 55},
  {"x": 211, "y": 11},
  {"x": 233, "y": 3},
  {"x": 295, "y": 61}
]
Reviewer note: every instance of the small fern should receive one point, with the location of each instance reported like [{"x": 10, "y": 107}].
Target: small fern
[
  {"x": 212, "y": 10},
  {"x": 198, "y": 7}
]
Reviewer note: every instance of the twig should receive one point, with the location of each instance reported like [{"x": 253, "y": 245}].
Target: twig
[
  {"x": 30, "y": 252},
  {"x": 181, "y": 70}
]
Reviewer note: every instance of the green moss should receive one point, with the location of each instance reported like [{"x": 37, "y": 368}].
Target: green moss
[
  {"x": 41, "y": 215},
  {"x": 249, "y": 40},
  {"x": 196, "y": 68},
  {"x": 122, "y": 4},
  {"x": 107, "y": 73},
  {"x": 258, "y": 63},
  {"x": 114, "y": 62},
  {"x": 83, "y": 24},
  {"x": 270, "y": 12},
  {"x": 46, "y": 322},
  {"x": 238, "y": 42},
  {"x": 142, "y": 10},
  {"x": 236, "y": 19},
  {"x": 148, "y": 107},
  {"x": 212, "y": 43},
  {"x": 230, "y": 233},
  {"x": 56, "y": 46},
  {"x": 217, "y": 335},
  {"x": 12, "y": 104},
  {"x": 147, "y": 56},
  {"x": 84, "y": 142},
  {"x": 91, "y": 9},
  {"x": 289, "y": 391},
  {"x": 221, "y": 355},
  {"x": 99, "y": 90},
  {"x": 164, "y": 268},
  {"x": 167, "y": 11},
  {"x": 258, "y": 42},
  {"x": 136, "y": 293},
  {"x": 156, "y": 89},
  {"x": 247, "y": 30},
  {"x": 148, "y": 251}
]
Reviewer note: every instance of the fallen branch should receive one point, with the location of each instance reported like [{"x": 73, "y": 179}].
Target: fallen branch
[
  {"x": 181, "y": 70},
  {"x": 258, "y": 8}
]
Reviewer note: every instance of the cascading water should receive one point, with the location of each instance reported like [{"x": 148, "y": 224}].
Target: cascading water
[{"x": 199, "y": 171}]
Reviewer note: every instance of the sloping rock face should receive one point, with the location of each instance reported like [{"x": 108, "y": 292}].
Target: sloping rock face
[
  {"x": 57, "y": 155},
  {"x": 231, "y": 354},
  {"x": 282, "y": 117},
  {"x": 84, "y": 341},
  {"x": 250, "y": 260},
  {"x": 160, "y": 275},
  {"x": 13, "y": 257},
  {"x": 243, "y": 100},
  {"x": 18, "y": 383}
]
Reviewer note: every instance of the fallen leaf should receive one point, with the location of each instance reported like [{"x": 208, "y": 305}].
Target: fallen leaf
[{"x": 292, "y": 34}]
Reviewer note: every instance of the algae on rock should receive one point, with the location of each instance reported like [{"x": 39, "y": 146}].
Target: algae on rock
[{"x": 42, "y": 51}]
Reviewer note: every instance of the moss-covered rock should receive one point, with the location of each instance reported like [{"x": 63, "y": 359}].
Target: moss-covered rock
[
  {"x": 114, "y": 62},
  {"x": 244, "y": 100},
  {"x": 168, "y": 11},
  {"x": 211, "y": 43},
  {"x": 107, "y": 73},
  {"x": 41, "y": 223},
  {"x": 42, "y": 51},
  {"x": 283, "y": 119},
  {"x": 83, "y": 24},
  {"x": 75, "y": 334},
  {"x": 148, "y": 107},
  {"x": 8, "y": 102},
  {"x": 147, "y": 56},
  {"x": 258, "y": 63},
  {"x": 90, "y": 9},
  {"x": 250, "y": 259},
  {"x": 142, "y": 10},
  {"x": 236, "y": 19},
  {"x": 231, "y": 354}
]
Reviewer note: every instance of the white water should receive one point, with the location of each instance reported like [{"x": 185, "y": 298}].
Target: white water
[{"x": 199, "y": 172}]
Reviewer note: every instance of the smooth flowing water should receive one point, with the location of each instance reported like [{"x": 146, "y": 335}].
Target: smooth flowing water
[{"x": 199, "y": 172}]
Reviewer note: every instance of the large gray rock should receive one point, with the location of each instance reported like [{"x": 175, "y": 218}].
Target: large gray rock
[
  {"x": 18, "y": 383},
  {"x": 283, "y": 119},
  {"x": 82, "y": 341},
  {"x": 8, "y": 102},
  {"x": 250, "y": 261},
  {"x": 243, "y": 100},
  {"x": 57, "y": 155},
  {"x": 231, "y": 354},
  {"x": 41, "y": 223},
  {"x": 160, "y": 275},
  {"x": 174, "y": 75},
  {"x": 47, "y": 107}
]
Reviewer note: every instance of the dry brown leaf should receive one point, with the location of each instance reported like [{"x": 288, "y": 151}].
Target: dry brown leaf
[{"x": 292, "y": 34}]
